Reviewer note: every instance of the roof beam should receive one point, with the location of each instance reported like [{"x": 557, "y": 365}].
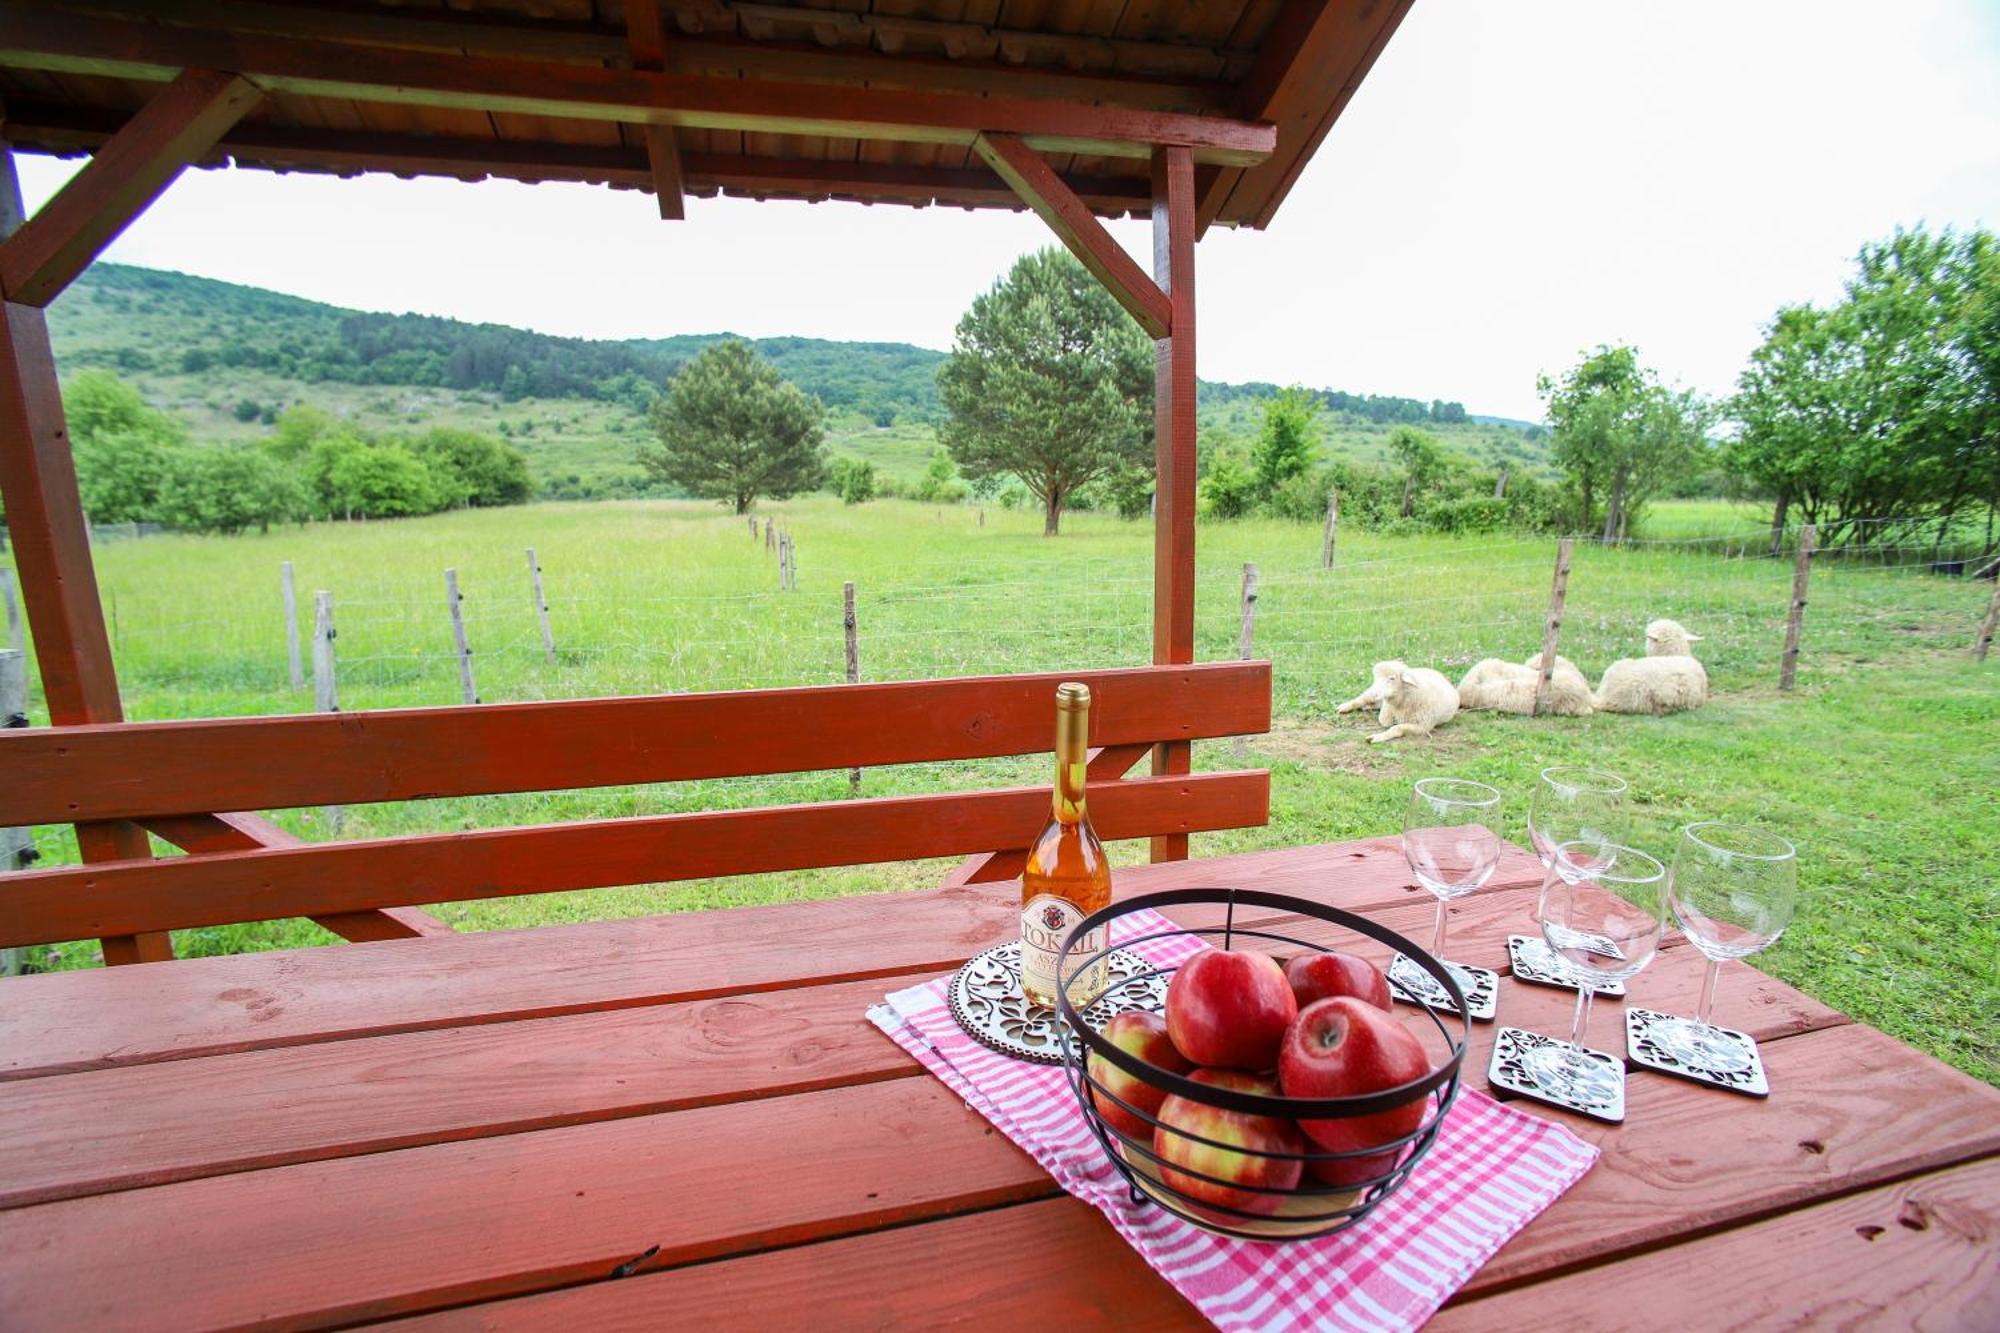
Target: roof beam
[
  {"x": 36, "y": 37},
  {"x": 1031, "y": 177},
  {"x": 66, "y": 129},
  {"x": 128, "y": 172},
  {"x": 663, "y": 151}
]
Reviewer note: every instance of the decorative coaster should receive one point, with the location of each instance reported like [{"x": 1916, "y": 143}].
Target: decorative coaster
[
  {"x": 1533, "y": 960},
  {"x": 986, "y": 1000},
  {"x": 1509, "y": 1074},
  {"x": 1642, "y": 1043},
  {"x": 1412, "y": 985}
]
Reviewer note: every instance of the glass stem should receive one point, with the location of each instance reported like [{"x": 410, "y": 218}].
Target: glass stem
[
  {"x": 1708, "y": 992},
  {"x": 1582, "y": 1019},
  {"x": 1437, "y": 934}
]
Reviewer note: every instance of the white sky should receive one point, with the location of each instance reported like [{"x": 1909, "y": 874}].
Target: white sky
[{"x": 1513, "y": 183}]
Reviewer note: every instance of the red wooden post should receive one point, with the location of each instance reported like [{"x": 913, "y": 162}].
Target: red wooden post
[
  {"x": 52, "y": 552},
  {"x": 1174, "y": 431}
]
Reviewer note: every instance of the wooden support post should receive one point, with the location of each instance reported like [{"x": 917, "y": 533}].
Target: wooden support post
[
  {"x": 128, "y": 172},
  {"x": 1552, "y": 631},
  {"x": 455, "y": 603},
  {"x": 1989, "y": 626},
  {"x": 16, "y": 638},
  {"x": 291, "y": 597},
  {"x": 646, "y": 37},
  {"x": 326, "y": 693},
  {"x": 17, "y": 845},
  {"x": 853, "y": 665},
  {"x": 1173, "y": 444},
  {"x": 1332, "y": 529},
  {"x": 52, "y": 553},
  {"x": 541, "y": 606},
  {"x": 1788, "y": 665}
]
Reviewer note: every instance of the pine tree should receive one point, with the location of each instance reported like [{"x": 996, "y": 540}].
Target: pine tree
[{"x": 732, "y": 429}]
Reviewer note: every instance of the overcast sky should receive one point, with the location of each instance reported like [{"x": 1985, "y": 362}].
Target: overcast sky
[{"x": 1513, "y": 183}]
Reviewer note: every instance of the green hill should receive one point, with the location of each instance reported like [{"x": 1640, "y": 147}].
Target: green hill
[{"x": 228, "y": 358}]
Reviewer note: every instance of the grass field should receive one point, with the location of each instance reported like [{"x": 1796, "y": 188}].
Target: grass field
[{"x": 1883, "y": 765}]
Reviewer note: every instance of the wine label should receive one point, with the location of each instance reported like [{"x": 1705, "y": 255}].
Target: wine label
[{"x": 1046, "y": 922}]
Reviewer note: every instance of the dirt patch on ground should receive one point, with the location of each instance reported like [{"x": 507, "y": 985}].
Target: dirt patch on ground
[{"x": 1322, "y": 745}]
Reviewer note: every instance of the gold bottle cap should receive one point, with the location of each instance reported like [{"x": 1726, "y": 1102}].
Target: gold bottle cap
[{"x": 1072, "y": 696}]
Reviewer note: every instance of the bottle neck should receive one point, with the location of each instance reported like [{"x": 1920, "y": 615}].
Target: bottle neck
[{"x": 1072, "y": 741}]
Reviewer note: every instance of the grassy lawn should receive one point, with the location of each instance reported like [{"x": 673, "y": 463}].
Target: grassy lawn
[{"x": 1883, "y": 766}]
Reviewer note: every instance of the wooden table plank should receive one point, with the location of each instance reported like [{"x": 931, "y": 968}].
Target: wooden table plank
[
  {"x": 121, "y": 1128},
  {"x": 87, "y": 1020},
  {"x": 1055, "y": 1265},
  {"x": 1920, "y": 1254}
]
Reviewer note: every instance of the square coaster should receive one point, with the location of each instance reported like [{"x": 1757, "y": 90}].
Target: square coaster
[
  {"x": 1645, "y": 1049},
  {"x": 1412, "y": 985},
  {"x": 1532, "y": 960},
  {"x": 1508, "y": 1074}
]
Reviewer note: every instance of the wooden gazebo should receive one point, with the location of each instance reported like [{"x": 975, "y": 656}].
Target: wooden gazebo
[{"x": 1196, "y": 114}]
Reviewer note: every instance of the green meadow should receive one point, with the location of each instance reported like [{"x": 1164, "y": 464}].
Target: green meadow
[{"x": 1884, "y": 765}]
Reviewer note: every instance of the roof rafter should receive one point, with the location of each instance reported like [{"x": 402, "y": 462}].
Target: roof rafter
[
  {"x": 41, "y": 38},
  {"x": 663, "y": 151}
]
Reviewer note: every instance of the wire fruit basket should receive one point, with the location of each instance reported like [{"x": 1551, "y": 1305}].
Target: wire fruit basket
[{"x": 1334, "y": 1189}]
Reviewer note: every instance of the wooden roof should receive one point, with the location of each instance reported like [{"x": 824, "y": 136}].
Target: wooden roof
[{"x": 871, "y": 100}]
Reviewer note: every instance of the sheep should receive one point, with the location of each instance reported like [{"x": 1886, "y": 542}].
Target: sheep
[
  {"x": 1415, "y": 701},
  {"x": 1667, "y": 680},
  {"x": 1509, "y": 687}
]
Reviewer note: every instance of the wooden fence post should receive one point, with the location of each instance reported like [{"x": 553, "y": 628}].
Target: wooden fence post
[
  {"x": 853, "y": 665},
  {"x": 1246, "y": 633},
  {"x": 291, "y": 596},
  {"x": 791, "y": 562},
  {"x": 1552, "y": 632},
  {"x": 784, "y": 554},
  {"x": 454, "y": 602},
  {"x": 753, "y": 526},
  {"x": 326, "y": 697},
  {"x": 1985, "y": 639},
  {"x": 1500, "y": 486},
  {"x": 1788, "y": 665},
  {"x": 1332, "y": 527},
  {"x": 17, "y": 845},
  {"x": 770, "y": 534},
  {"x": 16, "y": 639},
  {"x": 542, "y": 604},
  {"x": 982, "y": 518}
]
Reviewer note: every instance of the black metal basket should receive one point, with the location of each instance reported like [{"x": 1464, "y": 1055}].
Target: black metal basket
[{"x": 1310, "y": 1209}]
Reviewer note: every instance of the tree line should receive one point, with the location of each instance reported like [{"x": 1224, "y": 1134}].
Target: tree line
[{"x": 137, "y": 464}]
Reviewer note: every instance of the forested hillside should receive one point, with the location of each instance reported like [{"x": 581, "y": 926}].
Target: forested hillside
[{"x": 227, "y": 359}]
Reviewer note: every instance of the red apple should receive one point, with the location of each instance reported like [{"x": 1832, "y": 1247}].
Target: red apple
[
  {"x": 1320, "y": 976},
  {"x": 1241, "y": 1164},
  {"x": 1345, "y": 1047},
  {"x": 1139, "y": 1033},
  {"x": 1229, "y": 1009}
]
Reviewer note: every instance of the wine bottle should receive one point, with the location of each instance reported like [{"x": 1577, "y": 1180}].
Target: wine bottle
[{"x": 1067, "y": 877}]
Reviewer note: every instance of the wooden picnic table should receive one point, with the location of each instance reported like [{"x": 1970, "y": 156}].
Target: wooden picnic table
[{"x": 687, "y": 1121}]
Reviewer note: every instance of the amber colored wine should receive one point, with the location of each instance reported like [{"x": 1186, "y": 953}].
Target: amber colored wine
[{"x": 1067, "y": 877}]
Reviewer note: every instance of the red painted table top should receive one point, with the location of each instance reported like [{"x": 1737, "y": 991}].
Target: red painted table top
[{"x": 688, "y": 1121}]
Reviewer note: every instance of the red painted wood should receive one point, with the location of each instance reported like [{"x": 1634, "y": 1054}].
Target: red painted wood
[
  {"x": 1106, "y": 764},
  {"x": 962, "y": 1272},
  {"x": 128, "y": 896},
  {"x": 648, "y": 40},
  {"x": 368, "y": 1237},
  {"x": 1174, "y": 393},
  {"x": 177, "y": 126},
  {"x": 1918, "y": 1254},
  {"x": 1042, "y": 190},
  {"x": 52, "y": 556},
  {"x": 193, "y": 767},
  {"x": 139, "y": 1125},
  {"x": 241, "y": 832},
  {"x": 70, "y": 1021},
  {"x": 36, "y": 37}
]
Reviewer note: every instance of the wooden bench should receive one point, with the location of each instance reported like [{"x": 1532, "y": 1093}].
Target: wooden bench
[{"x": 191, "y": 783}]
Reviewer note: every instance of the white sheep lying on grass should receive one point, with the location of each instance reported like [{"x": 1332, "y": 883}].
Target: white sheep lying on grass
[
  {"x": 1509, "y": 687},
  {"x": 1667, "y": 680},
  {"x": 1415, "y": 701}
]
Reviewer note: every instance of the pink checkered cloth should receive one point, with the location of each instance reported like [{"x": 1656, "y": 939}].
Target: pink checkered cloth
[{"x": 1491, "y": 1171}]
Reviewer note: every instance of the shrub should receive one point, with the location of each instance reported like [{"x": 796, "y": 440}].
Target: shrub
[
  {"x": 852, "y": 479},
  {"x": 1230, "y": 487}
]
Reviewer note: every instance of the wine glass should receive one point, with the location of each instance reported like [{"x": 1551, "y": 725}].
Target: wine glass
[
  {"x": 1451, "y": 840},
  {"x": 1733, "y": 889},
  {"x": 1573, "y": 804},
  {"x": 1601, "y": 910}
]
